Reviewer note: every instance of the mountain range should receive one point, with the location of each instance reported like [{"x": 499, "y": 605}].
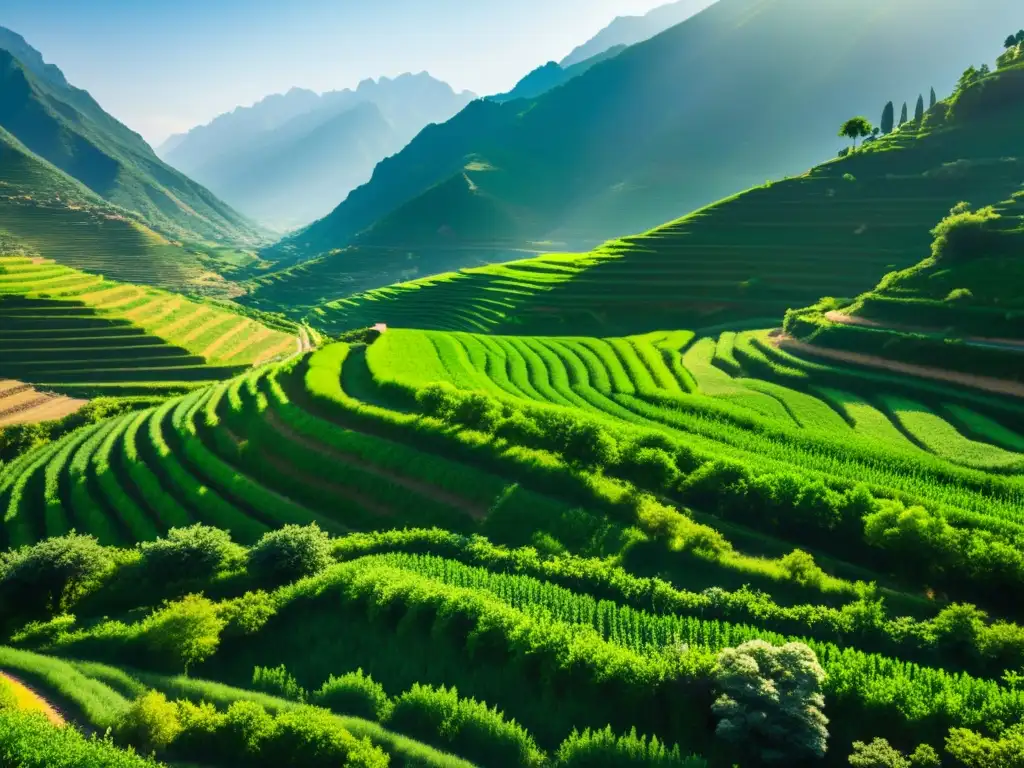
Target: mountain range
[
  {"x": 64, "y": 127},
  {"x": 290, "y": 158},
  {"x": 668, "y": 125}
]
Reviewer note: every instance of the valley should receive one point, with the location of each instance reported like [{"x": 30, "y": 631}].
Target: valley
[{"x": 464, "y": 474}]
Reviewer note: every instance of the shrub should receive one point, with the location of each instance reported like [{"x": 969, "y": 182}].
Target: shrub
[
  {"x": 183, "y": 632},
  {"x": 967, "y": 235},
  {"x": 972, "y": 750},
  {"x": 771, "y": 702},
  {"x": 464, "y": 726},
  {"x": 28, "y": 740},
  {"x": 802, "y": 569},
  {"x": 248, "y": 613},
  {"x": 354, "y": 694},
  {"x": 647, "y": 467},
  {"x": 51, "y": 574},
  {"x": 961, "y": 295},
  {"x": 877, "y": 754},
  {"x": 290, "y": 553},
  {"x": 603, "y": 749},
  {"x": 150, "y": 723},
  {"x": 925, "y": 757},
  {"x": 8, "y": 698},
  {"x": 278, "y": 681},
  {"x": 196, "y": 552}
]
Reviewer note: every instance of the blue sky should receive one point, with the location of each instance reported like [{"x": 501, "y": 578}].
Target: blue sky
[{"x": 162, "y": 66}]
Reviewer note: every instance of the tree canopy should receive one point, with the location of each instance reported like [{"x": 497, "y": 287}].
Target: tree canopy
[{"x": 856, "y": 128}]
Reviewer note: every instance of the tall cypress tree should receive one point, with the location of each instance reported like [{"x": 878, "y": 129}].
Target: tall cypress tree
[
  {"x": 934, "y": 100},
  {"x": 888, "y": 118},
  {"x": 919, "y": 110},
  {"x": 903, "y": 114}
]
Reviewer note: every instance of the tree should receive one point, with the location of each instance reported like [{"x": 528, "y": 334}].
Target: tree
[
  {"x": 185, "y": 631},
  {"x": 1011, "y": 41},
  {"x": 933, "y": 100},
  {"x": 856, "y": 128},
  {"x": 150, "y": 723},
  {"x": 50, "y": 574},
  {"x": 196, "y": 552},
  {"x": 290, "y": 553},
  {"x": 919, "y": 109},
  {"x": 903, "y": 114},
  {"x": 1020, "y": 37},
  {"x": 888, "y": 118},
  {"x": 771, "y": 702},
  {"x": 976, "y": 751}
]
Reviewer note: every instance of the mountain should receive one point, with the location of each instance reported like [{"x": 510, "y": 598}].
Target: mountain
[
  {"x": 743, "y": 91},
  {"x": 66, "y": 127},
  {"x": 552, "y": 75},
  {"x": 629, "y": 30},
  {"x": 745, "y": 260},
  {"x": 290, "y": 158}
]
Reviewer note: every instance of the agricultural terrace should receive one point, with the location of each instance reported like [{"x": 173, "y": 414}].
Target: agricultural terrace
[
  {"x": 69, "y": 330},
  {"x": 700, "y": 461},
  {"x": 22, "y": 403},
  {"x": 833, "y": 231}
]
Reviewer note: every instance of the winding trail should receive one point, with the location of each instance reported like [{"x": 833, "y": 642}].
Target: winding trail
[
  {"x": 30, "y": 701},
  {"x": 985, "y": 383}
]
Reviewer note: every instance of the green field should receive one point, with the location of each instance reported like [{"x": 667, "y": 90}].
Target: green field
[{"x": 74, "y": 331}]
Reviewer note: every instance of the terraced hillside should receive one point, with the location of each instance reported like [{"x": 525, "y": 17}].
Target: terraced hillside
[
  {"x": 833, "y": 231},
  {"x": 546, "y": 442},
  {"x": 73, "y": 331},
  {"x": 22, "y": 403},
  {"x": 960, "y": 310}
]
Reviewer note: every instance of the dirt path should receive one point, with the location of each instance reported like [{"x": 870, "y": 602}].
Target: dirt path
[
  {"x": 30, "y": 701},
  {"x": 985, "y": 383},
  {"x": 434, "y": 493},
  {"x": 1011, "y": 345}
]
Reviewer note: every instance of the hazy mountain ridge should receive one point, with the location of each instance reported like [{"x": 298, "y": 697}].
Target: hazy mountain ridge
[
  {"x": 551, "y": 75},
  {"x": 629, "y": 30},
  {"x": 225, "y": 153}
]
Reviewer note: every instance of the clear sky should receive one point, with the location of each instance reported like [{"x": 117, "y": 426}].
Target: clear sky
[{"x": 163, "y": 66}]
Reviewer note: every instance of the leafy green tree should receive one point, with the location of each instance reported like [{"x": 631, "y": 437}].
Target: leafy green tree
[
  {"x": 877, "y": 754},
  {"x": 932, "y": 100},
  {"x": 856, "y": 128},
  {"x": 150, "y": 723},
  {"x": 1010, "y": 42},
  {"x": 354, "y": 694},
  {"x": 196, "y": 552},
  {"x": 888, "y": 118},
  {"x": 771, "y": 702},
  {"x": 1020, "y": 37},
  {"x": 925, "y": 757},
  {"x": 290, "y": 553},
  {"x": 919, "y": 109},
  {"x": 50, "y": 575},
  {"x": 184, "y": 632},
  {"x": 903, "y": 114},
  {"x": 972, "y": 750}
]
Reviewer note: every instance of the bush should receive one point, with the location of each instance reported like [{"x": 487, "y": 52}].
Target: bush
[
  {"x": 802, "y": 569},
  {"x": 290, "y": 553},
  {"x": 51, "y": 574},
  {"x": 973, "y": 750},
  {"x": 28, "y": 740},
  {"x": 248, "y": 613},
  {"x": 603, "y": 749},
  {"x": 149, "y": 724},
  {"x": 8, "y": 698},
  {"x": 183, "y": 632},
  {"x": 464, "y": 726},
  {"x": 877, "y": 754},
  {"x": 964, "y": 236},
  {"x": 196, "y": 552},
  {"x": 355, "y": 694},
  {"x": 278, "y": 681}
]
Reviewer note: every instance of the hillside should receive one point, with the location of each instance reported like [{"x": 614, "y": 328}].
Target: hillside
[
  {"x": 627, "y": 145},
  {"x": 833, "y": 231},
  {"x": 66, "y": 127},
  {"x": 629, "y": 30},
  {"x": 79, "y": 333},
  {"x": 552, "y": 75},
  {"x": 290, "y": 158},
  {"x": 771, "y": 451},
  {"x": 960, "y": 309}
]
